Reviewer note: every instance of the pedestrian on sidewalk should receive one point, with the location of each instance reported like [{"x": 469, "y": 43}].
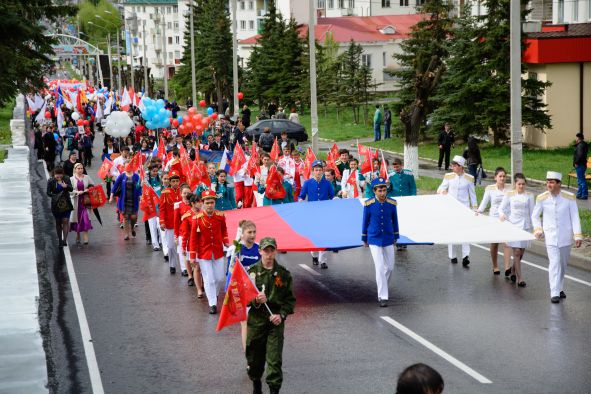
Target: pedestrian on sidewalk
[
  {"x": 80, "y": 217},
  {"x": 517, "y": 207},
  {"x": 493, "y": 195},
  {"x": 473, "y": 158},
  {"x": 128, "y": 202},
  {"x": 59, "y": 188},
  {"x": 460, "y": 186},
  {"x": 209, "y": 236},
  {"x": 377, "y": 124},
  {"x": 560, "y": 223},
  {"x": 265, "y": 330},
  {"x": 580, "y": 164},
  {"x": 379, "y": 232},
  {"x": 446, "y": 142},
  {"x": 387, "y": 121}
]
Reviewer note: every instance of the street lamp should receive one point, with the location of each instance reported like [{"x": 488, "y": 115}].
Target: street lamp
[
  {"x": 108, "y": 51},
  {"x": 118, "y": 47}
]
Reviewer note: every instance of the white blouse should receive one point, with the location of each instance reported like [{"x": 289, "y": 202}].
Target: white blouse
[{"x": 494, "y": 196}]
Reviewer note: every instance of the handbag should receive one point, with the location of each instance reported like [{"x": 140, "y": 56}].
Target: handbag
[{"x": 62, "y": 203}]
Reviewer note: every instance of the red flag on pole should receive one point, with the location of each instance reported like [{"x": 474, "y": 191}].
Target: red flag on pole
[
  {"x": 274, "y": 189},
  {"x": 275, "y": 151},
  {"x": 136, "y": 162},
  {"x": 238, "y": 160},
  {"x": 335, "y": 151},
  {"x": 331, "y": 163},
  {"x": 383, "y": 168},
  {"x": 148, "y": 202},
  {"x": 310, "y": 158},
  {"x": 253, "y": 161},
  {"x": 353, "y": 182},
  {"x": 241, "y": 291},
  {"x": 105, "y": 168},
  {"x": 161, "y": 149},
  {"x": 203, "y": 175}
]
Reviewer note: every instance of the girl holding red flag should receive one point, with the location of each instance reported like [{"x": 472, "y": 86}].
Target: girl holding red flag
[
  {"x": 276, "y": 190},
  {"x": 351, "y": 180}
]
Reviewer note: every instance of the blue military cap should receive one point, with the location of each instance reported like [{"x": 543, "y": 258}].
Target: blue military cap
[
  {"x": 378, "y": 182},
  {"x": 316, "y": 163}
]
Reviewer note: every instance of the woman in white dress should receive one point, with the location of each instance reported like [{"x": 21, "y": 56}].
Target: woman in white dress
[
  {"x": 493, "y": 195},
  {"x": 517, "y": 207}
]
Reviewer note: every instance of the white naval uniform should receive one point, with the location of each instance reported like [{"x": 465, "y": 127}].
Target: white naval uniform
[
  {"x": 518, "y": 208},
  {"x": 460, "y": 187},
  {"x": 494, "y": 196},
  {"x": 560, "y": 224}
]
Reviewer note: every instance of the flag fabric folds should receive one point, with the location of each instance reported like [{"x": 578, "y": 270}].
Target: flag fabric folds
[{"x": 241, "y": 291}]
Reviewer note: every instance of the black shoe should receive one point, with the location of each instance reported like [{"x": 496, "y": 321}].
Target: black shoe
[
  {"x": 191, "y": 282},
  {"x": 513, "y": 278},
  {"x": 172, "y": 270},
  {"x": 213, "y": 310},
  {"x": 466, "y": 261},
  {"x": 257, "y": 387},
  {"x": 165, "y": 258},
  {"x": 399, "y": 248},
  {"x": 148, "y": 242},
  {"x": 314, "y": 260},
  {"x": 64, "y": 243},
  {"x": 383, "y": 303},
  {"x": 323, "y": 266},
  {"x": 555, "y": 300},
  {"x": 454, "y": 260},
  {"x": 273, "y": 391},
  {"x": 184, "y": 273},
  {"x": 521, "y": 284},
  {"x": 133, "y": 233},
  {"x": 562, "y": 294},
  {"x": 508, "y": 272},
  {"x": 497, "y": 272}
]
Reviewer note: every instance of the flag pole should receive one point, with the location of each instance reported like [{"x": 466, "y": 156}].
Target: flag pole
[{"x": 267, "y": 306}]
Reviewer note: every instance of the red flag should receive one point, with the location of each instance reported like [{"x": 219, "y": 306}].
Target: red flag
[
  {"x": 353, "y": 182},
  {"x": 274, "y": 189},
  {"x": 310, "y": 158},
  {"x": 331, "y": 163},
  {"x": 238, "y": 160},
  {"x": 136, "y": 162},
  {"x": 183, "y": 152},
  {"x": 335, "y": 151},
  {"x": 253, "y": 161},
  {"x": 241, "y": 291},
  {"x": 384, "y": 168},
  {"x": 203, "y": 175},
  {"x": 148, "y": 202},
  {"x": 194, "y": 177},
  {"x": 275, "y": 151},
  {"x": 105, "y": 169},
  {"x": 161, "y": 149}
]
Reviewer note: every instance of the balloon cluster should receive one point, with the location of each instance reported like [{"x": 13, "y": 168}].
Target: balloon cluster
[
  {"x": 155, "y": 115},
  {"x": 193, "y": 121},
  {"x": 118, "y": 124}
]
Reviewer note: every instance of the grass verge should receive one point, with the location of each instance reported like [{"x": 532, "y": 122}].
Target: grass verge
[{"x": 5, "y": 136}]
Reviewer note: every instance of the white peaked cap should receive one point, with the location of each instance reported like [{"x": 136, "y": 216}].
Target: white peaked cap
[
  {"x": 554, "y": 175},
  {"x": 459, "y": 160}
]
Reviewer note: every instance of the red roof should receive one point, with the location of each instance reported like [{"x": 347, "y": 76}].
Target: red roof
[
  {"x": 357, "y": 28},
  {"x": 559, "y": 44}
]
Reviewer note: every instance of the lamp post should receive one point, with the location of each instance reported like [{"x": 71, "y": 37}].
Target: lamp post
[
  {"x": 235, "y": 60},
  {"x": 108, "y": 52},
  {"x": 118, "y": 48},
  {"x": 192, "y": 30}
]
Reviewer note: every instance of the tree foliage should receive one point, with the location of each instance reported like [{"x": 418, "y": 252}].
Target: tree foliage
[
  {"x": 96, "y": 32},
  {"x": 213, "y": 53},
  {"x": 25, "y": 50},
  {"x": 474, "y": 94}
]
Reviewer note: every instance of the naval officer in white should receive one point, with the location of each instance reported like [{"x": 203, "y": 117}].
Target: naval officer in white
[
  {"x": 559, "y": 225},
  {"x": 460, "y": 186}
]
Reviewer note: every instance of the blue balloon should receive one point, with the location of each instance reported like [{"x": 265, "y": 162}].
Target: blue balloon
[
  {"x": 145, "y": 116},
  {"x": 163, "y": 113},
  {"x": 156, "y": 119},
  {"x": 160, "y": 103},
  {"x": 168, "y": 113},
  {"x": 209, "y": 111},
  {"x": 166, "y": 123},
  {"x": 149, "y": 125},
  {"x": 180, "y": 119}
]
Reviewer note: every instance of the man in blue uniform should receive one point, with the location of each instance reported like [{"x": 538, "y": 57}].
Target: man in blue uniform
[
  {"x": 380, "y": 232},
  {"x": 402, "y": 183},
  {"x": 317, "y": 188}
]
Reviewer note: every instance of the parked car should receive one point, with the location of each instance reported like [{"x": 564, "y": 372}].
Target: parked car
[{"x": 295, "y": 131}]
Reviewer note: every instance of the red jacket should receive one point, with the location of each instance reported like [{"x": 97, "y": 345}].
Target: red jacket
[
  {"x": 208, "y": 236},
  {"x": 182, "y": 219},
  {"x": 167, "y": 199},
  {"x": 176, "y": 166}
]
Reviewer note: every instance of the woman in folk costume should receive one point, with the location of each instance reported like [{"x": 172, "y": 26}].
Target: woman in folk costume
[
  {"x": 225, "y": 194},
  {"x": 80, "y": 216}
]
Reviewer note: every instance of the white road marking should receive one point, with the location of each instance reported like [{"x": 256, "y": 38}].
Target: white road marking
[
  {"x": 581, "y": 281},
  {"x": 452, "y": 360},
  {"x": 310, "y": 270},
  {"x": 93, "y": 369}
]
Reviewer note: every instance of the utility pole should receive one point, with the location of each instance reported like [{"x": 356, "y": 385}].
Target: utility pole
[
  {"x": 313, "y": 101},
  {"x": 110, "y": 61},
  {"x": 164, "y": 66},
  {"x": 145, "y": 63},
  {"x": 235, "y": 59},
  {"x": 192, "y": 29},
  {"x": 119, "y": 61},
  {"x": 515, "y": 65}
]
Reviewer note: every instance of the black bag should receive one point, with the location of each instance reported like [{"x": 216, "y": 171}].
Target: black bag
[{"x": 61, "y": 202}]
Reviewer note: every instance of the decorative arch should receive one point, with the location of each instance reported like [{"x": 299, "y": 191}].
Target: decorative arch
[{"x": 68, "y": 45}]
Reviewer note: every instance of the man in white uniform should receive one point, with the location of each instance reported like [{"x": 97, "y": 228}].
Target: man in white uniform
[
  {"x": 460, "y": 186},
  {"x": 559, "y": 225}
]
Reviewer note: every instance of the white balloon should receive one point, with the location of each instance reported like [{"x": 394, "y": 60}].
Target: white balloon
[
  {"x": 75, "y": 116},
  {"x": 118, "y": 124}
]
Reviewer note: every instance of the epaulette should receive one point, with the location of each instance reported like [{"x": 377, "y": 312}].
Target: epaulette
[
  {"x": 567, "y": 195},
  {"x": 219, "y": 213},
  {"x": 449, "y": 175},
  {"x": 391, "y": 201},
  {"x": 491, "y": 187},
  {"x": 469, "y": 177},
  {"x": 406, "y": 171},
  {"x": 186, "y": 215},
  {"x": 511, "y": 193},
  {"x": 177, "y": 204},
  {"x": 165, "y": 191},
  {"x": 542, "y": 196},
  {"x": 369, "y": 201},
  {"x": 199, "y": 215}
]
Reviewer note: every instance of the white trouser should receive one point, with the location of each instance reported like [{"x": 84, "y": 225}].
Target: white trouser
[
  {"x": 214, "y": 278},
  {"x": 558, "y": 259},
  {"x": 452, "y": 252},
  {"x": 164, "y": 241},
  {"x": 383, "y": 259},
  {"x": 173, "y": 257},
  {"x": 321, "y": 256},
  {"x": 155, "y": 232},
  {"x": 181, "y": 253}
]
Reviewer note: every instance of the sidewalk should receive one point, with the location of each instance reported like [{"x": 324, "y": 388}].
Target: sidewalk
[{"x": 580, "y": 258}]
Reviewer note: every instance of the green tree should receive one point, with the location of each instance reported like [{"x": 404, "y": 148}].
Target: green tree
[
  {"x": 96, "y": 32},
  {"x": 25, "y": 50},
  {"x": 213, "y": 53},
  {"x": 422, "y": 62},
  {"x": 474, "y": 94}
]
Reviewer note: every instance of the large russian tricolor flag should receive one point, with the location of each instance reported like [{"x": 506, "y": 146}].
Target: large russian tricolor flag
[{"x": 336, "y": 224}]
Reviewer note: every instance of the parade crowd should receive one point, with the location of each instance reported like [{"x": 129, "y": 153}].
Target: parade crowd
[{"x": 163, "y": 177}]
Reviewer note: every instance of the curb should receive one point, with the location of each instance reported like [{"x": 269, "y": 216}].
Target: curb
[{"x": 577, "y": 259}]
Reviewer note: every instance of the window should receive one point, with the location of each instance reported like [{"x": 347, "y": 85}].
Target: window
[
  {"x": 576, "y": 11},
  {"x": 384, "y": 59},
  {"x": 177, "y": 39},
  {"x": 170, "y": 40},
  {"x": 169, "y": 25},
  {"x": 351, "y": 3},
  {"x": 404, "y": 3},
  {"x": 560, "y": 11},
  {"x": 251, "y": 5},
  {"x": 320, "y": 4},
  {"x": 177, "y": 54},
  {"x": 250, "y": 25},
  {"x": 385, "y": 3},
  {"x": 341, "y": 3},
  {"x": 175, "y": 9},
  {"x": 331, "y": 4},
  {"x": 242, "y": 5},
  {"x": 169, "y": 55},
  {"x": 242, "y": 25},
  {"x": 169, "y": 10},
  {"x": 366, "y": 60},
  {"x": 176, "y": 25},
  {"x": 422, "y": 2},
  {"x": 144, "y": 9}
]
